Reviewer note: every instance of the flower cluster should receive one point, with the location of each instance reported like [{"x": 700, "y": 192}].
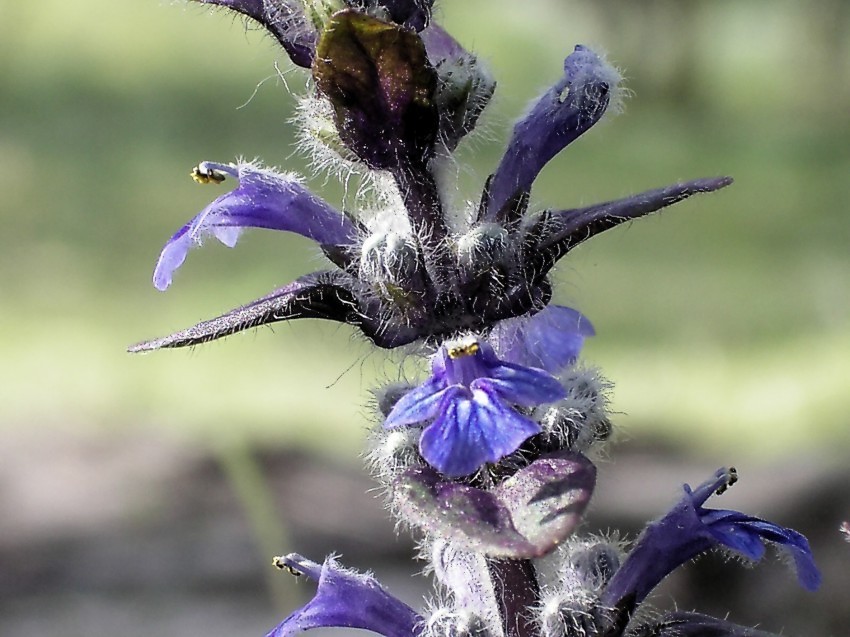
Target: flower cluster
[{"x": 488, "y": 458}]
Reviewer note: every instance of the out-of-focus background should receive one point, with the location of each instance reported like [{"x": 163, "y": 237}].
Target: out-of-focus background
[{"x": 144, "y": 495}]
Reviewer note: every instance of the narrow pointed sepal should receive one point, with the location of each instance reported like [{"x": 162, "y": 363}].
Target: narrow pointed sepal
[
  {"x": 320, "y": 295},
  {"x": 464, "y": 86},
  {"x": 525, "y": 516},
  {"x": 378, "y": 79},
  {"x": 552, "y": 234},
  {"x": 346, "y": 599},
  {"x": 684, "y": 624},
  {"x": 414, "y": 14}
]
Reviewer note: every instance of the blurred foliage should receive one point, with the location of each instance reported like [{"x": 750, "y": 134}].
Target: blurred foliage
[{"x": 723, "y": 322}]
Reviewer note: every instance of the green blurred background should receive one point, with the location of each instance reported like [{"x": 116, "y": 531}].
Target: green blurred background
[{"x": 724, "y": 322}]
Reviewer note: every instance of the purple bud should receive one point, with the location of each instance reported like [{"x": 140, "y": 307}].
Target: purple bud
[
  {"x": 568, "y": 109},
  {"x": 346, "y": 599}
]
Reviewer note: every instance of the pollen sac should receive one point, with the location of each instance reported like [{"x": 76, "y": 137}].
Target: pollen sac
[
  {"x": 378, "y": 79},
  {"x": 389, "y": 263}
]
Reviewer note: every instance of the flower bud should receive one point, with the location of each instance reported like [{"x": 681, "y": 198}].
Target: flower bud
[
  {"x": 482, "y": 248},
  {"x": 581, "y": 419},
  {"x": 464, "y": 85},
  {"x": 389, "y": 263}
]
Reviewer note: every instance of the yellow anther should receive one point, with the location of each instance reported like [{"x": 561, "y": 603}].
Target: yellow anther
[
  {"x": 278, "y": 562},
  {"x": 463, "y": 349},
  {"x": 205, "y": 175}
]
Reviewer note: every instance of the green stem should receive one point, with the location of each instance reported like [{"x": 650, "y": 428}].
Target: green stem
[{"x": 245, "y": 475}]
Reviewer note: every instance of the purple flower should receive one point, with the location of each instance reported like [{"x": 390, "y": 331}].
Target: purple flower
[
  {"x": 689, "y": 530},
  {"x": 345, "y": 599},
  {"x": 469, "y": 400},
  {"x": 568, "y": 109},
  {"x": 550, "y": 340},
  {"x": 263, "y": 199}
]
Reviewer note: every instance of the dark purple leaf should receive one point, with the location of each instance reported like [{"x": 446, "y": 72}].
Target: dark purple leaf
[{"x": 381, "y": 85}]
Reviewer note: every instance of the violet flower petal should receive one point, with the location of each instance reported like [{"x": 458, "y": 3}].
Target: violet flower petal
[
  {"x": 471, "y": 430},
  {"x": 568, "y": 109},
  {"x": 524, "y": 386},
  {"x": 263, "y": 199},
  {"x": 689, "y": 530},
  {"x": 421, "y": 403},
  {"x": 470, "y": 397},
  {"x": 550, "y": 340},
  {"x": 345, "y": 599},
  {"x": 284, "y": 19}
]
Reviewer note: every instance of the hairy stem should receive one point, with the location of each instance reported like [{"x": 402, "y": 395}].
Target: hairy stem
[{"x": 515, "y": 584}]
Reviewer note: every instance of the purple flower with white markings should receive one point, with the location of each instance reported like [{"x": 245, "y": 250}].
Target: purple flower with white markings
[
  {"x": 469, "y": 403},
  {"x": 489, "y": 457}
]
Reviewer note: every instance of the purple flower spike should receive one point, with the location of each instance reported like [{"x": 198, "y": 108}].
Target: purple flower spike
[
  {"x": 263, "y": 199},
  {"x": 689, "y": 530},
  {"x": 346, "y": 599},
  {"x": 470, "y": 397},
  {"x": 284, "y": 19},
  {"x": 574, "y": 104},
  {"x": 550, "y": 339}
]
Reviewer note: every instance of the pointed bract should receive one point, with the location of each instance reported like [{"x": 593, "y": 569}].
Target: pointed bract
[
  {"x": 323, "y": 295},
  {"x": 552, "y": 234},
  {"x": 683, "y": 624}
]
